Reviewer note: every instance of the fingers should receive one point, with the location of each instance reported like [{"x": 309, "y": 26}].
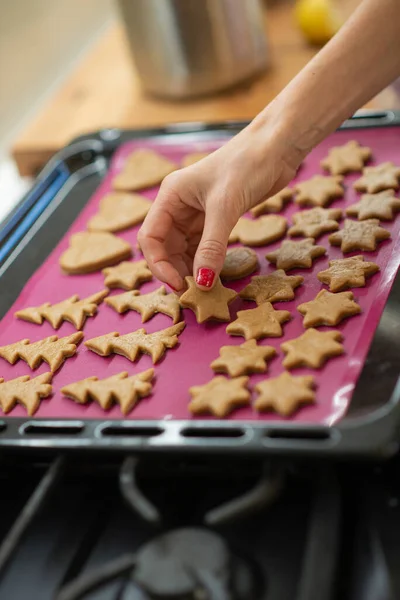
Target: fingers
[{"x": 211, "y": 251}]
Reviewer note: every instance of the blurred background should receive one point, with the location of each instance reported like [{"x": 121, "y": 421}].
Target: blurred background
[{"x": 68, "y": 67}]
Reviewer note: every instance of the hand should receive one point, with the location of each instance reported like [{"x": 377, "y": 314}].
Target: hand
[{"x": 187, "y": 228}]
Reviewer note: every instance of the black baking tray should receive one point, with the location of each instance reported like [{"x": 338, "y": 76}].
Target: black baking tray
[{"x": 371, "y": 427}]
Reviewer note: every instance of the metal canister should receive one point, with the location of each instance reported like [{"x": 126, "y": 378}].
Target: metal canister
[{"x": 185, "y": 48}]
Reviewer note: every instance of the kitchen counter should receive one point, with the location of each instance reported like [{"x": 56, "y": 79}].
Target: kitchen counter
[{"x": 104, "y": 91}]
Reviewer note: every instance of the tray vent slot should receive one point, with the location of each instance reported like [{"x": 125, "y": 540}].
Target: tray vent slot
[
  {"x": 3, "y": 426},
  {"x": 131, "y": 431},
  {"x": 213, "y": 432},
  {"x": 56, "y": 428},
  {"x": 320, "y": 435}
]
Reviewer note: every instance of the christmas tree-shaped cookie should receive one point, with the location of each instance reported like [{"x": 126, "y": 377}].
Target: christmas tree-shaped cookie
[
  {"x": 25, "y": 391},
  {"x": 52, "y": 350},
  {"x": 120, "y": 388},
  {"x": 73, "y": 310}
]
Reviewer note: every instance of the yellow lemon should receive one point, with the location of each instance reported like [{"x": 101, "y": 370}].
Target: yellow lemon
[{"x": 319, "y": 20}]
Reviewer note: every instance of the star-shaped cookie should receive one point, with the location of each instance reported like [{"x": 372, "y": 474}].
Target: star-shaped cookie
[
  {"x": 284, "y": 394},
  {"x": 259, "y": 232},
  {"x": 347, "y": 273},
  {"x": 348, "y": 158},
  {"x": 328, "y": 309},
  {"x": 276, "y": 287},
  {"x": 381, "y": 206},
  {"x": 312, "y": 349},
  {"x": 359, "y": 235},
  {"x": 376, "y": 179},
  {"x": 319, "y": 190},
  {"x": 274, "y": 204},
  {"x": 243, "y": 359},
  {"x": 220, "y": 396},
  {"x": 127, "y": 275},
  {"x": 256, "y": 323},
  {"x": 315, "y": 222},
  {"x": 147, "y": 304},
  {"x": 296, "y": 255},
  {"x": 208, "y": 305}
]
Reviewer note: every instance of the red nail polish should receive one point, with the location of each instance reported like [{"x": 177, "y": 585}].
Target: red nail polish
[{"x": 205, "y": 277}]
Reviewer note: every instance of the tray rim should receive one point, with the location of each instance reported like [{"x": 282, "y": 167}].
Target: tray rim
[{"x": 372, "y": 435}]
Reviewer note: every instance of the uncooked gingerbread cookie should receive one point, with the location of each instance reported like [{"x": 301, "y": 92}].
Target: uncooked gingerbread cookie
[
  {"x": 247, "y": 358},
  {"x": 376, "y": 179},
  {"x": 127, "y": 275},
  {"x": 284, "y": 394},
  {"x": 121, "y": 389},
  {"x": 296, "y": 255},
  {"x": 90, "y": 251},
  {"x": 359, "y": 235},
  {"x": 312, "y": 349},
  {"x": 328, "y": 309},
  {"x": 208, "y": 305},
  {"x": 239, "y": 262},
  {"x": 274, "y": 204},
  {"x": 147, "y": 304},
  {"x": 220, "y": 396},
  {"x": 193, "y": 158},
  {"x": 319, "y": 190},
  {"x": 256, "y": 323},
  {"x": 119, "y": 211},
  {"x": 259, "y": 232},
  {"x": 143, "y": 169},
  {"x": 315, "y": 222},
  {"x": 276, "y": 287},
  {"x": 348, "y": 158},
  {"x": 26, "y": 391},
  {"x": 73, "y": 310},
  {"x": 52, "y": 350},
  {"x": 381, "y": 206},
  {"x": 132, "y": 345},
  {"x": 347, "y": 273}
]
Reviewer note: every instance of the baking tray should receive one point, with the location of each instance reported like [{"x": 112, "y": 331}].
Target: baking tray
[{"x": 372, "y": 422}]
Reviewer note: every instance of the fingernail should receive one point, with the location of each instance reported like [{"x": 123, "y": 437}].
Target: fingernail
[{"x": 205, "y": 277}]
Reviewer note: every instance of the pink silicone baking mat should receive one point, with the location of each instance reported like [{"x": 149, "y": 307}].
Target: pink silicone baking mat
[{"x": 188, "y": 364}]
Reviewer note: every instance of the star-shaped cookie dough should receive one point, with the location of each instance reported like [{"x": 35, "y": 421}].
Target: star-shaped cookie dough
[
  {"x": 381, "y": 206},
  {"x": 348, "y": 158},
  {"x": 243, "y": 359},
  {"x": 312, "y": 349},
  {"x": 296, "y": 255},
  {"x": 259, "y": 232},
  {"x": 274, "y": 204},
  {"x": 284, "y": 394},
  {"x": 359, "y": 235},
  {"x": 256, "y": 323},
  {"x": 319, "y": 190},
  {"x": 328, "y": 309},
  {"x": 127, "y": 275},
  {"x": 276, "y": 287},
  {"x": 376, "y": 179},
  {"x": 347, "y": 273},
  {"x": 220, "y": 396},
  {"x": 210, "y": 305},
  {"x": 147, "y": 304},
  {"x": 315, "y": 222}
]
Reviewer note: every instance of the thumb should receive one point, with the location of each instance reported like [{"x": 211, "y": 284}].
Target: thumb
[{"x": 210, "y": 255}]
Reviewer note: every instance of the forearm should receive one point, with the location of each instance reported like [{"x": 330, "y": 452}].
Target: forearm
[{"x": 355, "y": 65}]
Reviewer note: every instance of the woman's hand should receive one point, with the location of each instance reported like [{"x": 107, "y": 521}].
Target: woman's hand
[{"x": 187, "y": 228}]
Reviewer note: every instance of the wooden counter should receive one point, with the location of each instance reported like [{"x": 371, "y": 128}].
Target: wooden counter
[{"x": 104, "y": 91}]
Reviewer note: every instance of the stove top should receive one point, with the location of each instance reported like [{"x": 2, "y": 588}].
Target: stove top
[{"x": 187, "y": 529}]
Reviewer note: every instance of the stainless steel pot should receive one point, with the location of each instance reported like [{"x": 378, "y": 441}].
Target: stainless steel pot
[{"x": 184, "y": 48}]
